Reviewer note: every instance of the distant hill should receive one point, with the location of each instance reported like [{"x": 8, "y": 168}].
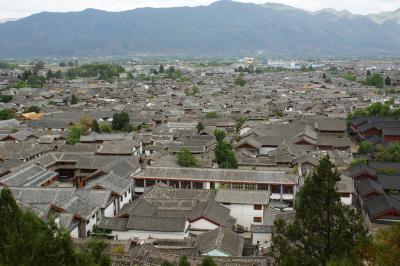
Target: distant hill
[{"x": 222, "y": 28}]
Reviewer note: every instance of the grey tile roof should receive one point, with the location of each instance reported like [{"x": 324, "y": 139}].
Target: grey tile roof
[
  {"x": 161, "y": 224},
  {"x": 117, "y": 224},
  {"x": 83, "y": 202},
  {"x": 242, "y": 196},
  {"x": 31, "y": 175},
  {"x": 112, "y": 182},
  {"x": 221, "y": 239},
  {"x": 218, "y": 175}
]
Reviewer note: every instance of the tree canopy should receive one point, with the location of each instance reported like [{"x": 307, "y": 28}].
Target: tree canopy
[
  {"x": 186, "y": 159},
  {"x": 100, "y": 70},
  {"x": 121, "y": 122},
  {"x": 323, "y": 229},
  {"x": 32, "y": 109},
  {"x": 28, "y": 240},
  {"x": 374, "y": 80},
  {"x": 74, "y": 134},
  {"x": 199, "y": 127},
  {"x": 6, "y": 98},
  {"x": 6, "y": 114}
]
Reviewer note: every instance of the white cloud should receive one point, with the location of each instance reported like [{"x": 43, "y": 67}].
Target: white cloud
[{"x": 21, "y": 8}]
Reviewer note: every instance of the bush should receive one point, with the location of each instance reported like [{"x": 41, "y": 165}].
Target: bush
[
  {"x": 105, "y": 128},
  {"x": 6, "y": 98},
  {"x": 365, "y": 147},
  {"x": 75, "y": 134},
  {"x": 120, "y": 121},
  {"x": 212, "y": 115},
  {"x": 186, "y": 159},
  {"x": 6, "y": 114},
  {"x": 32, "y": 109}
]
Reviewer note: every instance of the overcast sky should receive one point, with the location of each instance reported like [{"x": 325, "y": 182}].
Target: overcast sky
[{"x": 22, "y": 8}]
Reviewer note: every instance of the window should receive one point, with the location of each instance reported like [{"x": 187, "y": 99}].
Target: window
[
  {"x": 257, "y": 207},
  {"x": 257, "y": 219},
  {"x": 226, "y": 203},
  {"x": 94, "y": 215},
  {"x": 87, "y": 222}
]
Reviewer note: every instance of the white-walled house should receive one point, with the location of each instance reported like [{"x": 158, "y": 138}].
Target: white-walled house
[
  {"x": 247, "y": 207},
  {"x": 142, "y": 228},
  {"x": 261, "y": 234},
  {"x": 162, "y": 207}
]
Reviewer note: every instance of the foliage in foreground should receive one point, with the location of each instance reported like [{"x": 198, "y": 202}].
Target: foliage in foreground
[
  {"x": 27, "y": 240},
  {"x": 323, "y": 229}
]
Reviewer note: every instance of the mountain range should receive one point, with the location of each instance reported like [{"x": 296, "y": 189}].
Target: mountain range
[{"x": 223, "y": 28}]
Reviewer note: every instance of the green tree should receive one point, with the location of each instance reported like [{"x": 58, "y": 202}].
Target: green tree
[
  {"x": 183, "y": 261},
  {"x": 95, "y": 126},
  {"x": 388, "y": 81},
  {"x": 391, "y": 154},
  {"x": 120, "y": 121},
  {"x": 161, "y": 69},
  {"x": 167, "y": 263},
  {"x": 6, "y": 98},
  {"x": 350, "y": 76},
  {"x": 58, "y": 74},
  {"x": 212, "y": 115},
  {"x": 324, "y": 76},
  {"x": 225, "y": 156},
  {"x": 50, "y": 74},
  {"x": 365, "y": 147},
  {"x": 74, "y": 134},
  {"x": 186, "y": 159},
  {"x": 383, "y": 250},
  {"x": 93, "y": 254},
  {"x": 240, "y": 81},
  {"x": 32, "y": 109},
  {"x": 74, "y": 99},
  {"x": 199, "y": 127},
  {"x": 27, "y": 240},
  {"x": 6, "y": 114},
  {"x": 323, "y": 229},
  {"x": 219, "y": 134},
  {"x": 374, "y": 80},
  {"x": 240, "y": 122},
  {"x": 208, "y": 261},
  {"x": 105, "y": 128}
]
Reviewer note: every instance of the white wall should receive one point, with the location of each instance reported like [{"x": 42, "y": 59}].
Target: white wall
[
  {"x": 75, "y": 232},
  {"x": 144, "y": 235},
  {"x": 125, "y": 199},
  {"x": 244, "y": 213},
  {"x": 91, "y": 224},
  {"x": 203, "y": 225},
  {"x": 109, "y": 211},
  {"x": 261, "y": 238},
  {"x": 347, "y": 200}
]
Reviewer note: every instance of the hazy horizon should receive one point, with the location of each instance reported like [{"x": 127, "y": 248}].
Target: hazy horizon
[{"x": 24, "y": 8}]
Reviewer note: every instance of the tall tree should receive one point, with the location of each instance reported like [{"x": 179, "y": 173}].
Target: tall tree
[
  {"x": 161, "y": 69},
  {"x": 95, "y": 126},
  {"x": 186, "y": 159},
  {"x": 74, "y": 99},
  {"x": 323, "y": 228},
  {"x": 199, "y": 127},
  {"x": 120, "y": 120},
  {"x": 388, "y": 81},
  {"x": 26, "y": 240},
  {"x": 183, "y": 261}
]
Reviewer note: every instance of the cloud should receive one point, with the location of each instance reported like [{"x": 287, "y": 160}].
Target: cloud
[{"x": 21, "y": 8}]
